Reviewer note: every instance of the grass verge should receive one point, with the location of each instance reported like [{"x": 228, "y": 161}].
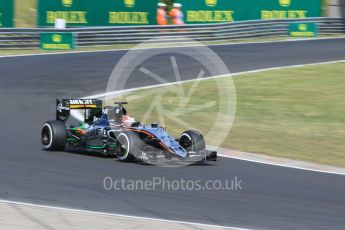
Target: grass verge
[{"x": 296, "y": 113}]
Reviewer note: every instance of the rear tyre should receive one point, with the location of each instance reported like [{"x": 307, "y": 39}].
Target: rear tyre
[
  {"x": 128, "y": 146},
  {"x": 54, "y": 135},
  {"x": 192, "y": 141}
]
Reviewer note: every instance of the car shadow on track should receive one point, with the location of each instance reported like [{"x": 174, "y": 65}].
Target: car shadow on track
[{"x": 137, "y": 161}]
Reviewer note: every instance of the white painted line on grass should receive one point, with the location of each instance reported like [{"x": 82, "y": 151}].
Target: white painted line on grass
[
  {"x": 101, "y": 95},
  {"x": 335, "y": 172}
]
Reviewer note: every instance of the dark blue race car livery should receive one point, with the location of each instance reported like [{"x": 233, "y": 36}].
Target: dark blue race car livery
[{"x": 110, "y": 131}]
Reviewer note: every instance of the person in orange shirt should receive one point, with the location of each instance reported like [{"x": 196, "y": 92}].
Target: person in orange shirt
[
  {"x": 176, "y": 14},
  {"x": 161, "y": 14}
]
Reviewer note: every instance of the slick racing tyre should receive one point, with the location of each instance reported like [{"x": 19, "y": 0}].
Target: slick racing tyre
[
  {"x": 54, "y": 135},
  {"x": 128, "y": 146},
  {"x": 192, "y": 141}
]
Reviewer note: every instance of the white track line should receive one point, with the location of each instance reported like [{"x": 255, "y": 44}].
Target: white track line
[
  {"x": 80, "y": 117},
  {"x": 120, "y": 215},
  {"x": 208, "y": 78},
  {"x": 284, "y": 165},
  {"x": 169, "y": 47}
]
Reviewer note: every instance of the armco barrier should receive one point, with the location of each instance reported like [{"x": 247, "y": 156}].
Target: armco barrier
[{"x": 15, "y": 38}]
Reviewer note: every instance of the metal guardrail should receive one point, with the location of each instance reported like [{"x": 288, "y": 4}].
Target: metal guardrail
[{"x": 16, "y": 38}]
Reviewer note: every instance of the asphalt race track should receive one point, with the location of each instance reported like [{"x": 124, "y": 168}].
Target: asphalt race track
[{"x": 272, "y": 197}]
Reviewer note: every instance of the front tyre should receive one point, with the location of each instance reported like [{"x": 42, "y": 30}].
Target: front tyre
[
  {"x": 128, "y": 146},
  {"x": 192, "y": 141},
  {"x": 54, "y": 135}
]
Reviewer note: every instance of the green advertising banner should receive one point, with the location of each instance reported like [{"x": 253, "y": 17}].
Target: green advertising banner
[
  {"x": 307, "y": 29},
  {"x": 97, "y": 13},
  {"x": 57, "y": 41},
  {"x": 210, "y": 11},
  {"x": 6, "y": 13},
  {"x": 143, "y": 12}
]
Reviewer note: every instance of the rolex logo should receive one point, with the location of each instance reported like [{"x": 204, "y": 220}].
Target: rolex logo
[
  {"x": 129, "y": 3},
  {"x": 302, "y": 27},
  {"x": 57, "y": 38},
  {"x": 285, "y": 3},
  {"x": 67, "y": 3},
  {"x": 211, "y": 2}
]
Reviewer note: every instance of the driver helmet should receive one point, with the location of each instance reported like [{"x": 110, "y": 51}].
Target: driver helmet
[{"x": 127, "y": 120}]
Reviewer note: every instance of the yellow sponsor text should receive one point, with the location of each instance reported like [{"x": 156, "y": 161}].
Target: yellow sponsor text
[
  {"x": 302, "y": 34},
  {"x": 74, "y": 17},
  {"x": 83, "y": 106},
  {"x": 210, "y": 16},
  {"x": 56, "y": 46},
  {"x": 282, "y": 14},
  {"x": 128, "y": 18}
]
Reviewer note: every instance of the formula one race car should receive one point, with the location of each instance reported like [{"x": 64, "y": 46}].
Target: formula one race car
[{"x": 110, "y": 131}]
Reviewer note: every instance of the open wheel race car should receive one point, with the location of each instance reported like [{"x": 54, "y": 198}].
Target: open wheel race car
[{"x": 111, "y": 132}]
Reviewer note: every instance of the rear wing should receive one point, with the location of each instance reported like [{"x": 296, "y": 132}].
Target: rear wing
[{"x": 92, "y": 107}]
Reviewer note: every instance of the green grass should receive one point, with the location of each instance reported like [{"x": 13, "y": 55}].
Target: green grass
[{"x": 296, "y": 113}]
